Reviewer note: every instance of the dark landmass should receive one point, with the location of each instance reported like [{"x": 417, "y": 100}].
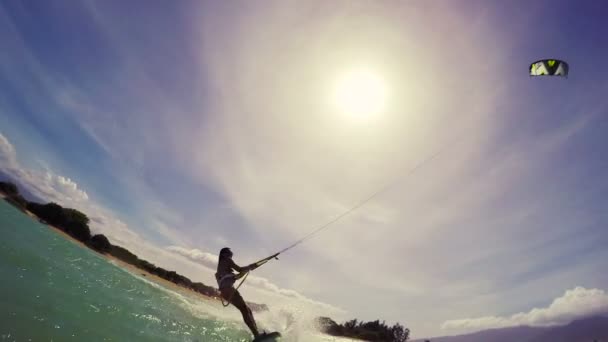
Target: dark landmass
[
  {"x": 12, "y": 195},
  {"x": 367, "y": 331},
  {"x": 592, "y": 329}
]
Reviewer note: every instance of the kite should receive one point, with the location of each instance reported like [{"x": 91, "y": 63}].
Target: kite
[{"x": 549, "y": 67}]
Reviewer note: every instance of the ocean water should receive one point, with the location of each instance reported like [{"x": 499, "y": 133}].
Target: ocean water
[{"x": 52, "y": 289}]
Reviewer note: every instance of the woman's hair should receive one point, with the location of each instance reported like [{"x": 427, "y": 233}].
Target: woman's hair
[{"x": 225, "y": 252}]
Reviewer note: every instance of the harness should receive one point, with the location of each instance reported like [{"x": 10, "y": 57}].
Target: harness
[{"x": 243, "y": 275}]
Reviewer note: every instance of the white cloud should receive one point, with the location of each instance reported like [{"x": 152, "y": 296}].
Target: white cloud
[
  {"x": 207, "y": 259},
  {"x": 62, "y": 188},
  {"x": 49, "y": 186},
  {"x": 43, "y": 184},
  {"x": 265, "y": 284},
  {"x": 576, "y": 303},
  {"x": 7, "y": 153}
]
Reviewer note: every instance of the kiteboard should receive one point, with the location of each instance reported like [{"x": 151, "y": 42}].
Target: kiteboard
[{"x": 268, "y": 337}]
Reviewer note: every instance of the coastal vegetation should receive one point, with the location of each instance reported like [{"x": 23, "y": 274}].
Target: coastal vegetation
[
  {"x": 12, "y": 195},
  {"x": 368, "y": 331}
]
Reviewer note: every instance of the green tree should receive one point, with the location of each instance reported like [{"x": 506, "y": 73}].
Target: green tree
[
  {"x": 9, "y": 188},
  {"x": 100, "y": 243},
  {"x": 400, "y": 333},
  {"x": 69, "y": 220},
  {"x": 350, "y": 325}
]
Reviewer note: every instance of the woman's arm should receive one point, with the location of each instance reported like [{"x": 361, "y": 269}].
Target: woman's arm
[
  {"x": 242, "y": 269},
  {"x": 236, "y": 267}
]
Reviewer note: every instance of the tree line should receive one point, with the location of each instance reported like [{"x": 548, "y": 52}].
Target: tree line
[{"x": 368, "y": 331}]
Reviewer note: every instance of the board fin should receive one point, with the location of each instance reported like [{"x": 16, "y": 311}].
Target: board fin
[{"x": 268, "y": 337}]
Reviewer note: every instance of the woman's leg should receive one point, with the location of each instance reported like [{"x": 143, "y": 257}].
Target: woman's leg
[{"x": 237, "y": 300}]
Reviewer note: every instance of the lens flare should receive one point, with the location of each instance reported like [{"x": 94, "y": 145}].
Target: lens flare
[{"x": 360, "y": 94}]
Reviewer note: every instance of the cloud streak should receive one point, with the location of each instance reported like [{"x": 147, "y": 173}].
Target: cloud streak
[
  {"x": 207, "y": 259},
  {"x": 576, "y": 303}
]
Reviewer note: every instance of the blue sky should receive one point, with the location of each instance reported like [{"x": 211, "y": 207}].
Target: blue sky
[{"x": 182, "y": 127}]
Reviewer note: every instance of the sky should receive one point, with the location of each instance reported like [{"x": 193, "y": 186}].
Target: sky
[{"x": 184, "y": 127}]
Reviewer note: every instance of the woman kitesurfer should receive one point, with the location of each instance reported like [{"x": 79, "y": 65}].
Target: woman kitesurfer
[{"x": 225, "y": 281}]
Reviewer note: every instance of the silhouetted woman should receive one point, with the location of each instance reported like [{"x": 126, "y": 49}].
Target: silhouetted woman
[{"x": 225, "y": 280}]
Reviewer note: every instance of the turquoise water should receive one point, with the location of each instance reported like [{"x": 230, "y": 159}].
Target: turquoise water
[{"x": 52, "y": 289}]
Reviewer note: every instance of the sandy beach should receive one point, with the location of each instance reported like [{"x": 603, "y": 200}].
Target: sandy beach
[{"x": 156, "y": 279}]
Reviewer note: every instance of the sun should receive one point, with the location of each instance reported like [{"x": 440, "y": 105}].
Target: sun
[{"x": 360, "y": 94}]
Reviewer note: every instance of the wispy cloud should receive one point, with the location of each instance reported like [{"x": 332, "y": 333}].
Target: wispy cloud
[
  {"x": 576, "y": 303},
  {"x": 8, "y": 156},
  {"x": 207, "y": 259}
]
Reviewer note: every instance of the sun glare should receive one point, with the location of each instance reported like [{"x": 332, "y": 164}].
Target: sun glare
[{"x": 360, "y": 94}]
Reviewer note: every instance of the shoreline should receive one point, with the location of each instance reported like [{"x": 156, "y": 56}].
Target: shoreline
[
  {"x": 154, "y": 278},
  {"x": 117, "y": 262},
  {"x": 128, "y": 267}
]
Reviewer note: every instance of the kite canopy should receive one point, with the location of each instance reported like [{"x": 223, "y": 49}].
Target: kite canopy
[{"x": 549, "y": 67}]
